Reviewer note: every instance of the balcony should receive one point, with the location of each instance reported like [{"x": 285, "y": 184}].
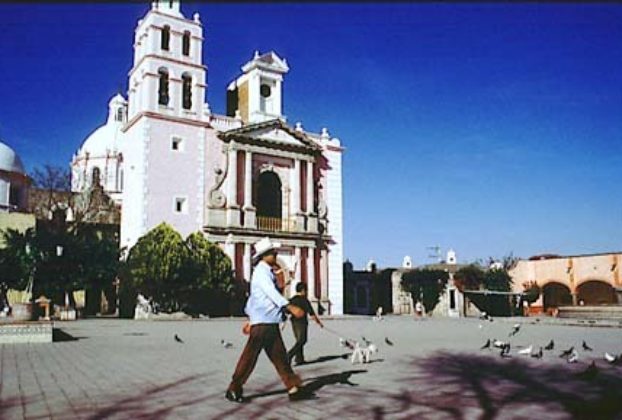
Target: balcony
[{"x": 276, "y": 224}]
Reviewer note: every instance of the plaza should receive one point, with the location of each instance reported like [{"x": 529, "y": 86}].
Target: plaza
[{"x": 111, "y": 368}]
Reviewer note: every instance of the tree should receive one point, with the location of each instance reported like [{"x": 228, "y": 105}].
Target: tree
[
  {"x": 531, "y": 292},
  {"x": 193, "y": 276},
  {"x": 425, "y": 285},
  {"x": 470, "y": 277},
  {"x": 208, "y": 278},
  {"x": 53, "y": 190},
  {"x": 497, "y": 279},
  {"x": 154, "y": 267},
  {"x": 16, "y": 263}
]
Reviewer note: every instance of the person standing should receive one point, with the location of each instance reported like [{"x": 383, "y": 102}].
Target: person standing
[
  {"x": 300, "y": 325},
  {"x": 264, "y": 308}
]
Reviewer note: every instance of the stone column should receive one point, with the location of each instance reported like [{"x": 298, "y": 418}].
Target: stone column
[
  {"x": 249, "y": 210},
  {"x": 233, "y": 210},
  {"x": 297, "y": 273},
  {"x": 311, "y": 276},
  {"x": 294, "y": 181},
  {"x": 230, "y": 250},
  {"x": 247, "y": 261}
]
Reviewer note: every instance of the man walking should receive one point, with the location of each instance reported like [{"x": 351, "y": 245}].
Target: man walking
[
  {"x": 300, "y": 325},
  {"x": 264, "y": 308}
]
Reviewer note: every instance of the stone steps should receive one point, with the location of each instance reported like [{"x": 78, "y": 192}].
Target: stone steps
[{"x": 590, "y": 312}]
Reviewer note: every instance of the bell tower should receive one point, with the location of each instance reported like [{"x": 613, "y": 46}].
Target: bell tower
[
  {"x": 168, "y": 75},
  {"x": 257, "y": 94}
]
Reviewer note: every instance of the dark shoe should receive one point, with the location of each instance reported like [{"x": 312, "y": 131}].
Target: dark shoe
[
  {"x": 234, "y": 396},
  {"x": 301, "y": 394}
]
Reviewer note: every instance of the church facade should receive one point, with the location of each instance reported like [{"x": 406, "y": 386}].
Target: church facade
[{"x": 164, "y": 156}]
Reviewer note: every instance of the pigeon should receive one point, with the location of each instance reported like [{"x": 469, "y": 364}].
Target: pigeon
[
  {"x": 226, "y": 344},
  {"x": 538, "y": 355},
  {"x": 550, "y": 346},
  {"x": 526, "y": 351},
  {"x": 574, "y": 357},
  {"x": 484, "y": 316},
  {"x": 611, "y": 359},
  {"x": 498, "y": 343},
  {"x": 389, "y": 342},
  {"x": 589, "y": 373},
  {"x": 515, "y": 330},
  {"x": 346, "y": 343},
  {"x": 505, "y": 350},
  {"x": 567, "y": 353},
  {"x": 586, "y": 347},
  {"x": 179, "y": 340},
  {"x": 486, "y": 345}
]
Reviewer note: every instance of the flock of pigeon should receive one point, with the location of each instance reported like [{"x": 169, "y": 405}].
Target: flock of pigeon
[{"x": 571, "y": 354}]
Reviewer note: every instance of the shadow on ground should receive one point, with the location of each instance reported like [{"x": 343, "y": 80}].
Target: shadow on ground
[
  {"x": 323, "y": 359},
  {"x": 446, "y": 385},
  {"x": 59, "y": 335}
]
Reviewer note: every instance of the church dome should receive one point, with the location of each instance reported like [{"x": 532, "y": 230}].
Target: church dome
[
  {"x": 105, "y": 138},
  {"x": 9, "y": 161},
  {"x": 101, "y": 141}
]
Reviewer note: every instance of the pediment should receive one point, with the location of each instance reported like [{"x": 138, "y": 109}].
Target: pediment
[{"x": 274, "y": 133}]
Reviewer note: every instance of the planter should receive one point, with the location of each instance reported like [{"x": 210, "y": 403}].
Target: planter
[{"x": 21, "y": 311}]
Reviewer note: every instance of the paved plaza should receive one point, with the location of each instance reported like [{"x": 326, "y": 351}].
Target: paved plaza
[{"x": 109, "y": 368}]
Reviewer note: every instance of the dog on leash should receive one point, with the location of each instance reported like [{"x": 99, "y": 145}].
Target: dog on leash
[{"x": 363, "y": 354}]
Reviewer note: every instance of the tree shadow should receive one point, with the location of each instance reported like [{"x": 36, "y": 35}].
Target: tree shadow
[
  {"x": 455, "y": 383},
  {"x": 141, "y": 405},
  {"x": 59, "y": 335}
]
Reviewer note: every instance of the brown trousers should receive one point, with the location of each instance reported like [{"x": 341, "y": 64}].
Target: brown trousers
[{"x": 268, "y": 338}]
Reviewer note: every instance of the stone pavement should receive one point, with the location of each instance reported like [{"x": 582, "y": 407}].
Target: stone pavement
[{"x": 119, "y": 369}]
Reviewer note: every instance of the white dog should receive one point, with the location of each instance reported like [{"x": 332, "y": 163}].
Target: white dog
[{"x": 363, "y": 354}]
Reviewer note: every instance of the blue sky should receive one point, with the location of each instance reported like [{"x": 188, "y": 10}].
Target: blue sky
[{"x": 487, "y": 128}]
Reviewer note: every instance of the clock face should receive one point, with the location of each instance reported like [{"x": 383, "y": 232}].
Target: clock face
[{"x": 265, "y": 91}]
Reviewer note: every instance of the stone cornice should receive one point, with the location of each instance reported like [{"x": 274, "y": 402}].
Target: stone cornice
[
  {"x": 192, "y": 22},
  {"x": 170, "y": 60},
  {"x": 245, "y": 232},
  {"x": 158, "y": 116},
  {"x": 272, "y": 148}
]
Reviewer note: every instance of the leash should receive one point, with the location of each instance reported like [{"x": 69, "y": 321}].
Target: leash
[{"x": 335, "y": 333}]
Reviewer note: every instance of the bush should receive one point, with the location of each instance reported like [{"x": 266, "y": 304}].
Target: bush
[{"x": 193, "y": 276}]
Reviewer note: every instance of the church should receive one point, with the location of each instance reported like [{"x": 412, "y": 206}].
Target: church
[{"x": 164, "y": 156}]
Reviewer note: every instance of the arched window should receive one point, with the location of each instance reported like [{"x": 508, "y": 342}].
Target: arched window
[
  {"x": 163, "y": 86},
  {"x": 119, "y": 114},
  {"x": 185, "y": 44},
  {"x": 166, "y": 37},
  {"x": 186, "y": 91}
]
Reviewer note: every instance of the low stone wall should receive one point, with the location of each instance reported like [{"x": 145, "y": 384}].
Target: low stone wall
[{"x": 26, "y": 332}]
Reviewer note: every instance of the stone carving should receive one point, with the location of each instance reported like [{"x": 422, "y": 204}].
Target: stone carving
[
  {"x": 143, "y": 308},
  {"x": 216, "y": 197}
]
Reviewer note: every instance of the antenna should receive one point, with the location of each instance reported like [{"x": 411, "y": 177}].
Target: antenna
[{"x": 437, "y": 252}]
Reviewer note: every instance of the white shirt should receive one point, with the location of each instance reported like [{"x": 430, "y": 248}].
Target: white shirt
[{"x": 265, "y": 303}]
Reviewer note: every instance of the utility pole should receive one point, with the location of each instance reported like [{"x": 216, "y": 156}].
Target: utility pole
[{"x": 437, "y": 253}]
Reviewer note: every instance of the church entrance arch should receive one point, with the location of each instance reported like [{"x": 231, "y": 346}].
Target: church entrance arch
[
  {"x": 555, "y": 295},
  {"x": 269, "y": 201},
  {"x": 596, "y": 292}
]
